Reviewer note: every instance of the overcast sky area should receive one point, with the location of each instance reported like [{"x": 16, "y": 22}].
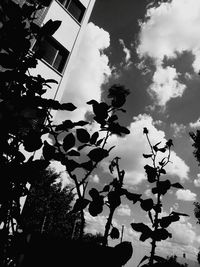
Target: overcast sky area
[{"x": 153, "y": 50}]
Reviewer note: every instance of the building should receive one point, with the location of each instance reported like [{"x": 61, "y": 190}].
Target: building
[{"x": 61, "y": 49}]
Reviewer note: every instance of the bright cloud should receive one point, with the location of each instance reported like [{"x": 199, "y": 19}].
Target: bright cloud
[
  {"x": 95, "y": 224},
  {"x": 197, "y": 180},
  {"x": 166, "y": 85},
  {"x": 183, "y": 232},
  {"x": 124, "y": 210},
  {"x": 89, "y": 71},
  {"x": 179, "y": 129},
  {"x": 94, "y": 178},
  {"x": 170, "y": 29},
  {"x": 131, "y": 148},
  {"x": 186, "y": 195},
  {"x": 127, "y": 53},
  {"x": 184, "y": 239},
  {"x": 195, "y": 124}
]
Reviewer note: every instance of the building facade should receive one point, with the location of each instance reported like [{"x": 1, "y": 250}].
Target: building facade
[{"x": 61, "y": 50}]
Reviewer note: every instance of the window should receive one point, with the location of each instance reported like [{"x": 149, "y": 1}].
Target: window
[
  {"x": 53, "y": 53},
  {"x": 75, "y": 8}
]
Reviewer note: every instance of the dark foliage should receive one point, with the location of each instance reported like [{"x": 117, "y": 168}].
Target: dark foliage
[
  {"x": 25, "y": 115},
  {"x": 153, "y": 206},
  {"x": 196, "y": 144}
]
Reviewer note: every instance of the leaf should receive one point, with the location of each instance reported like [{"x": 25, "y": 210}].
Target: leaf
[
  {"x": 94, "y": 138},
  {"x": 116, "y": 128},
  {"x": 177, "y": 185},
  {"x": 65, "y": 126},
  {"x": 69, "y": 141},
  {"x": 123, "y": 251},
  {"x": 163, "y": 171},
  {"x": 143, "y": 259},
  {"x": 93, "y": 193},
  {"x": 112, "y": 118},
  {"x": 96, "y": 206},
  {"x": 32, "y": 142},
  {"x": 161, "y": 234},
  {"x": 81, "y": 123},
  {"x": 155, "y": 147},
  {"x": 140, "y": 227},
  {"x": 71, "y": 165},
  {"x": 133, "y": 197},
  {"x": 114, "y": 234},
  {"x": 80, "y": 204},
  {"x": 48, "y": 151},
  {"x": 92, "y": 102},
  {"x": 147, "y": 204},
  {"x": 165, "y": 221},
  {"x": 81, "y": 147},
  {"x": 163, "y": 149},
  {"x": 159, "y": 259},
  {"x": 145, "y": 235},
  {"x": 82, "y": 135},
  {"x": 100, "y": 110},
  {"x": 147, "y": 155},
  {"x": 114, "y": 199},
  {"x": 179, "y": 214},
  {"x": 51, "y": 81},
  {"x": 98, "y": 154},
  {"x": 68, "y": 107},
  {"x": 151, "y": 173},
  {"x": 87, "y": 165},
  {"x": 99, "y": 142},
  {"x": 8, "y": 61},
  {"x": 106, "y": 188},
  {"x": 50, "y": 27},
  {"x": 73, "y": 153},
  {"x": 163, "y": 187}
]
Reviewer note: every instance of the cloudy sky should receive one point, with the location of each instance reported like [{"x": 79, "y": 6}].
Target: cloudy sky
[{"x": 154, "y": 50}]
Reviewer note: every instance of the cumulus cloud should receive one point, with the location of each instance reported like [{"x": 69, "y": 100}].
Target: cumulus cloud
[
  {"x": 89, "y": 71},
  {"x": 179, "y": 129},
  {"x": 186, "y": 195},
  {"x": 197, "y": 180},
  {"x": 97, "y": 224},
  {"x": 169, "y": 30},
  {"x": 183, "y": 232},
  {"x": 131, "y": 148},
  {"x": 124, "y": 210},
  {"x": 166, "y": 85},
  {"x": 63, "y": 175},
  {"x": 94, "y": 178},
  {"x": 127, "y": 53},
  {"x": 195, "y": 124}
]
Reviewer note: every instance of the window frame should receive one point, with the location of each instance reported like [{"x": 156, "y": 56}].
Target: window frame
[
  {"x": 60, "y": 49},
  {"x": 66, "y": 5}
]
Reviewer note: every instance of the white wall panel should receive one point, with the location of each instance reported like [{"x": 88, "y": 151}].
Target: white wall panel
[
  {"x": 85, "y": 2},
  {"x": 47, "y": 73},
  {"x": 67, "y": 32}
]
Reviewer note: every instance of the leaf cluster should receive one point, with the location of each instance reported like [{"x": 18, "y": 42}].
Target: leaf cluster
[{"x": 157, "y": 229}]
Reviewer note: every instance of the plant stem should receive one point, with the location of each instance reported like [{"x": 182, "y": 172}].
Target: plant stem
[{"x": 107, "y": 227}]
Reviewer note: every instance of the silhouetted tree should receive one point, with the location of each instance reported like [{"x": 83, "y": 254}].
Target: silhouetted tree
[
  {"x": 47, "y": 206},
  {"x": 198, "y": 257},
  {"x": 196, "y": 144}
]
